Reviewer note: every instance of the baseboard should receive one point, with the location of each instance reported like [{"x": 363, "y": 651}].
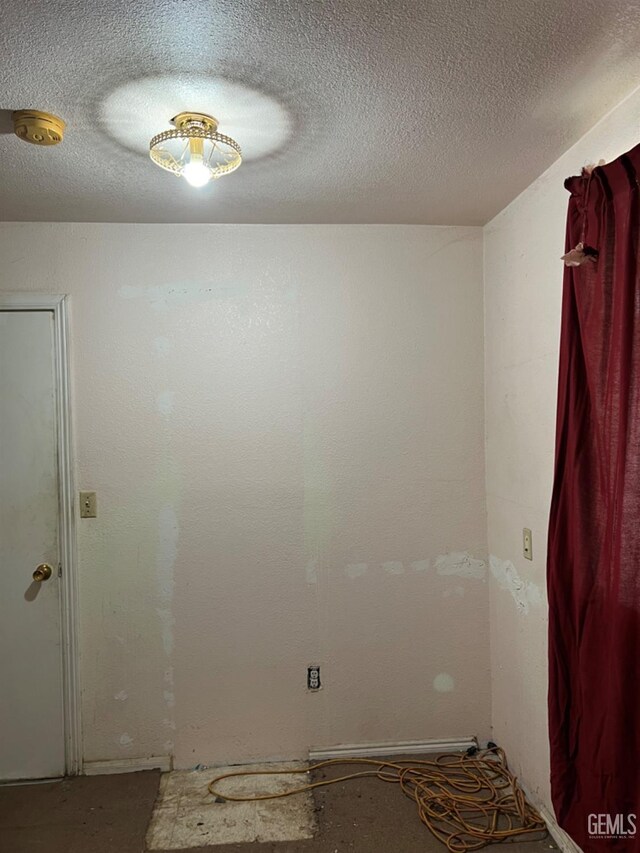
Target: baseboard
[
  {"x": 16, "y": 783},
  {"x": 404, "y": 747},
  {"x": 564, "y": 842},
  {"x": 356, "y": 750},
  {"x": 126, "y": 765}
]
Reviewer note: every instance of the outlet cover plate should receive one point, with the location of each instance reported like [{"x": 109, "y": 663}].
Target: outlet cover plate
[
  {"x": 88, "y": 505},
  {"x": 313, "y": 678},
  {"x": 527, "y": 544}
]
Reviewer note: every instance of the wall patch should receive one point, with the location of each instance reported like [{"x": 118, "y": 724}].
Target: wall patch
[
  {"x": 524, "y": 593},
  {"x": 443, "y": 683},
  {"x": 460, "y": 563},
  {"x": 393, "y": 567}
]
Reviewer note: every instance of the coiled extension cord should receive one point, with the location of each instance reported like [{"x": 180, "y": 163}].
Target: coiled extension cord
[{"x": 466, "y": 800}]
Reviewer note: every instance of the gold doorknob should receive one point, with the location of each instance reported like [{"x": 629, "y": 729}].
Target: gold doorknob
[{"x": 42, "y": 572}]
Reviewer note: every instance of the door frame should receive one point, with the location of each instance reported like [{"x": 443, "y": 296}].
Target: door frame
[{"x": 58, "y": 305}]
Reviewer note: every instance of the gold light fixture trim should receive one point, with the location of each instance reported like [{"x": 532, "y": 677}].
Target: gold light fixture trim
[
  {"x": 195, "y": 150},
  {"x": 37, "y": 127}
]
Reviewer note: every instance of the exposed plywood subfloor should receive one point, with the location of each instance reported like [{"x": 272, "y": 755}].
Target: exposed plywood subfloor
[{"x": 187, "y": 816}]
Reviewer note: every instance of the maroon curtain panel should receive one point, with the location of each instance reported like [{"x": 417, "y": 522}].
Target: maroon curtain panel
[{"x": 593, "y": 570}]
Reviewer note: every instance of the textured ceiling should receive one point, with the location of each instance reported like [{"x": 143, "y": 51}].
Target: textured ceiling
[{"x": 348, "y": 110}]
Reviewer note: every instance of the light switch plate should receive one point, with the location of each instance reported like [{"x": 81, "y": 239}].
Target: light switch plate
[
  {"x": 88, "y": 505},
  {"x": 527, "y": 544}
]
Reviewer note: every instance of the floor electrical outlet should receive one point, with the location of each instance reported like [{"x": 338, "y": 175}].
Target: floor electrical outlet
[{"x": 313, "y": 678}]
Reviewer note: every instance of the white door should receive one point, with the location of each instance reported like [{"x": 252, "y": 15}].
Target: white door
[{"x": 31, "y": 691}]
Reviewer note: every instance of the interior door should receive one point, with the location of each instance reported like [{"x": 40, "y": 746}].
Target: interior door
[{"x": 31, "y": 690}]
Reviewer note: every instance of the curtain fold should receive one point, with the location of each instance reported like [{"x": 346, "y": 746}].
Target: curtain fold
[{"x": 593, "y": 570}]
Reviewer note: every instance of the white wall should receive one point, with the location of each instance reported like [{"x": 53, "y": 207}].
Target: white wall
[
  {"x": 284, "y": 426},
  {"x": 523, "y": 287}
]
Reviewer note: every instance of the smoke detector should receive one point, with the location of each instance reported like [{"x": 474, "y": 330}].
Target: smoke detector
[{"x": 38, "y": 127}]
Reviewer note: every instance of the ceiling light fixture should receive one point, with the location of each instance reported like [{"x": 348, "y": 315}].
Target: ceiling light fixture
[{"x": 195, "y": 150}]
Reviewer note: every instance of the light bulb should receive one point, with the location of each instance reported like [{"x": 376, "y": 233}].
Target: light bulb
[{"x": 196, "y": 173}]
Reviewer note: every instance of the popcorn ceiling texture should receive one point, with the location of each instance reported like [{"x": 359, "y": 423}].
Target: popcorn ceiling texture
[{"x": 412, "y": 112}]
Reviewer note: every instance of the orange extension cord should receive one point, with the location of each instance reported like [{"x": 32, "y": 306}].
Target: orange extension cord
[{"x": 467, "y": 801}]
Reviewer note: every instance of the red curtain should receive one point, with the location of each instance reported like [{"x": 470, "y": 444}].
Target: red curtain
[{"x": 593, "y": 570}]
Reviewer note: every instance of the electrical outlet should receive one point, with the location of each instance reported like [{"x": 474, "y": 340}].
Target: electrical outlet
[
  {"x": 88, "y": 505},
  {"x": 313, "y": 678},
  {"x": 527, "y": 544}
]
